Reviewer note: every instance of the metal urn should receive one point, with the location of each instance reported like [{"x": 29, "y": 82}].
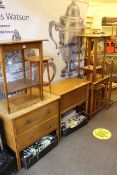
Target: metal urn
[{"x": 69, "y": 45}]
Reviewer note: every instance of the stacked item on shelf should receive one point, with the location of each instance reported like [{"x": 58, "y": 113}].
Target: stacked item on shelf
[
  {"x": 89, "y": 23},
  {"x": 72, "y": 121},
  {"x": 36, "y": 151}
]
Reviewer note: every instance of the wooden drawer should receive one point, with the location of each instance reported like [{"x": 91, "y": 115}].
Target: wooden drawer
[
  {"x": 72, "y": 98},
  {"x": 26, "y": 139},
  {"x": 35, "y": 117}
]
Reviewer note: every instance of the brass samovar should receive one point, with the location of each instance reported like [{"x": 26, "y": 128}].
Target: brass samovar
[{"x": 69, "y": 27}]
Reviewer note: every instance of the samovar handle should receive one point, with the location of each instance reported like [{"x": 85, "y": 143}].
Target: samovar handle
[{"x": 51, "y": 25}]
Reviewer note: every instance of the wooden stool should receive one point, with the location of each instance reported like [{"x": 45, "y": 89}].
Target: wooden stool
[{"x": 35, "y": 60}]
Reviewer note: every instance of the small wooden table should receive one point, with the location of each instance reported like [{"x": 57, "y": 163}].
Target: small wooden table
[
  {"x": 73, "y": 92},
  {"x": 22, "y": 84}
]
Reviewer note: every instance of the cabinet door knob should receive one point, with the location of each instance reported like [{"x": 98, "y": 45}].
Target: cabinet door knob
[
  {"x": 28, "y": 121},
  {"x": 49, "y": 125}
]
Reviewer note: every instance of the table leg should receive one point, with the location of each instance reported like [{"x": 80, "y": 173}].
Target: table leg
[
  {"x": 39, "y": 79},
  {"x": 109, "y": 92},
  {"x": 87, "y": 100},
  {"x": 95, "y": 59},
  {"x": 48, "y": 73},
  {"x": 89, "y": 50},
  {"x": 41, "y": 70},
  {"x": 18, "y": 159},
  {"x": 23, "y": 63},
  {"x": 106, "y": 94},
  {"x": 104, "y": 58},
  {"x": 79, "y": 43},
  {"x": 31, "y": 75},
  {"x": 91, "y": 101},
  {"x": 4, "y": 78}
]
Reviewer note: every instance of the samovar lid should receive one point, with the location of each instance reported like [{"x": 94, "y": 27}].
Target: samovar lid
[{"x": 73, "y": 10}]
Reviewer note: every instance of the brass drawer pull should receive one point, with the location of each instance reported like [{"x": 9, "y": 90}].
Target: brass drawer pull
[
  {"x": 28, "y": 121},
  {"x": 30, "y": 136},
  {"x": 48, "y": 111},
  {"x": 49, "y": 125}
]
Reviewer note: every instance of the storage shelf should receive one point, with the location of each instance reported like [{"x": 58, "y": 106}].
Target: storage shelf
[
  {"x": 71, "y": 130},
  {"x": 30, "y": 160},
  {"x": 108, "y": 54},
  {"x": 19, "y": 85},
  {"x": 90, "y": 68}
]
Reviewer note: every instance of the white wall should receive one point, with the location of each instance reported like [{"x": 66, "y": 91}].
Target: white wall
[{"x": 40, "y": 12}]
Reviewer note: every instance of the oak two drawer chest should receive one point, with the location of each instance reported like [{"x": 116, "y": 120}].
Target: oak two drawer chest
[{"x": 24, "y": 127}]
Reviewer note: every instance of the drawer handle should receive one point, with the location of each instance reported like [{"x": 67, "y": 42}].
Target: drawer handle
[
  {"x": 28, "y": 121},
  {"x": 30, "y": 136},
  {"x": 48, "y": 111},
  {"x": 49, "y": 125}
]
